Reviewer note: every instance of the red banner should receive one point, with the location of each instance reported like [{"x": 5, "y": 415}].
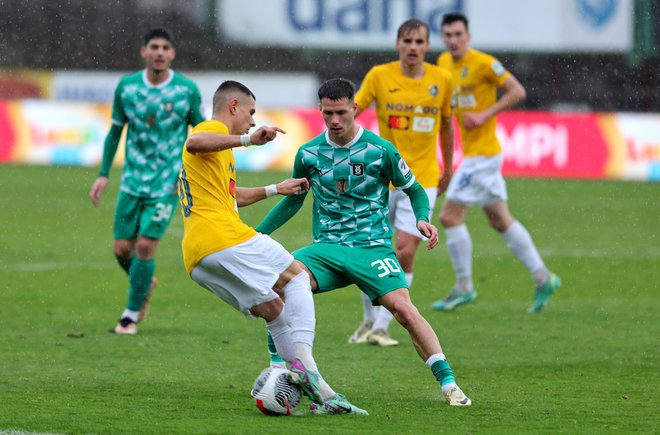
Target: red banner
[{"x": 553, "y": 145}]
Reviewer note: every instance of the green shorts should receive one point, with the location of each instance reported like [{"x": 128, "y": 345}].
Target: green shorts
[
  {"x": 148, "y": 217},
  {"x": 374, "y": 269}
]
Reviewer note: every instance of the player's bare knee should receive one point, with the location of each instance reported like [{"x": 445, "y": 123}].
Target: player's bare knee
[
  {"x": 123, "y": 250},
  {"x": 405, "y": 313},
  {"x": 268, "y": 310},
  {"x": 448, "y": 220},
  {"x": 145, "y": 247},
  {"x": 406, "y": 259},
  {"x": 499, "y": 223}
]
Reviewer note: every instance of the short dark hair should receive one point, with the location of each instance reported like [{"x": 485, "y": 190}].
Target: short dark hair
[
  {"x": 454, "y": 17},
  {"x": 159, "y": 32},
  {"x": 228, "y": 86},
  {"x": 412, "y": 24},
  {"x": 336, "y": 89}
]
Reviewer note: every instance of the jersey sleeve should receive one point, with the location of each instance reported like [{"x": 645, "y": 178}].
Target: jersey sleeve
[
  {"x": 396, "y": 169},
  {"x": 299, "y": 168},
  {"x": 111, "y": 142},
  {"x": 495, "y": 72},
  {"x": 419, "y": 202},
  {"x": 195, "y": 115},
  {"x": 118, "y": 115},
  {"x": 367, "y": 92},
  {"x": 448, "y": 83}
]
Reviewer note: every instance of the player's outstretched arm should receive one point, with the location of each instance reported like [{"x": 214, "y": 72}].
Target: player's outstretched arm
[
  {"x": 293, "y": 186},
  {"x": 250, "y": 195},
  {"x": 281, "y": 213},
  {"x": 208, "y": 142}
]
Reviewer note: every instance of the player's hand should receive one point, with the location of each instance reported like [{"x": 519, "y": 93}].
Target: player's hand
[
  {"x": 430, "y": 232},
  {"x": 97, "y": 189},
  {"x": 265, "y": 134},
  {"x": 473, "y": 119},
  {"x": 444, "y": 182},
  {"x": 293, "y": 186}
]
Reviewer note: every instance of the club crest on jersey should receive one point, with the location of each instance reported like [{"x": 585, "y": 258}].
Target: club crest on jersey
[
  {"x": 433, "y": 90},
  {"x": 342, "y": 185},
  {"x": 168, "y": 107},
  {"x": 497, "y": 68},
  {"x": 358, "y": 169},
  {"x": 464, "y": 72}
]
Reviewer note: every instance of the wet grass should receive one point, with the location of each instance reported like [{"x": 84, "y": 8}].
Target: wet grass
[{"x": 589, "y": 363}]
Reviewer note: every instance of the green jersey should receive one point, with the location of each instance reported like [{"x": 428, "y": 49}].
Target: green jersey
[
  {"x": 158, "y": 118},
  {"x": 350, "y": 186}
]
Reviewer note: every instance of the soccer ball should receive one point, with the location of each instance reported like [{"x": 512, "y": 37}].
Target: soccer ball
[{"x": 274, "y": 393}]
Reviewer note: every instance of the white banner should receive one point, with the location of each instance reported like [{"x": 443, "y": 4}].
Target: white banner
[{"x": 502, "y": 25}]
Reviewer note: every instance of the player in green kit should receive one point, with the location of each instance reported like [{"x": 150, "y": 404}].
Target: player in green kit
[
  {"x": 158, "y": 105},
  {"x": 349, "y": 170}
]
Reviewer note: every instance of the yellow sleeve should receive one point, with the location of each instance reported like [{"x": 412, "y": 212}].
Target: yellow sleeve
[
  {"x": 496, "y": 72},
  {"x": 211, "y": 126},
  {"x": 448, "y": 82},
  {"x": 367, "y": 92}
]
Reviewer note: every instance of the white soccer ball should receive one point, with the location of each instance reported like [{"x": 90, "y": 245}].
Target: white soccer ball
[{"x": 274, "y": 393}]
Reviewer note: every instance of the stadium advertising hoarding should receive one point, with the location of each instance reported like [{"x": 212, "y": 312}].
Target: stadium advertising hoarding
[
  {"x": 505, "y": 25},
  {"x": 278, "y": 90},
  {"x": 536, "y": 144}
]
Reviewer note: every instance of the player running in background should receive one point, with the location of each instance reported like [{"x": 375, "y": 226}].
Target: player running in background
[
  {"x": 158, "y": 105},
  {"x": 230, "y": 259},
  {"x": 413, "y": 106},
  {"x": 350, "y": 170},
  {"x": 478, "y": 180}
]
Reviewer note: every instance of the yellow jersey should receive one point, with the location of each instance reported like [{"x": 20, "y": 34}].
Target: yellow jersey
[
  {"x": 476, "y": 79},
  {"x": 409, "y": 112},
  {"x": 207, "y": 194}
]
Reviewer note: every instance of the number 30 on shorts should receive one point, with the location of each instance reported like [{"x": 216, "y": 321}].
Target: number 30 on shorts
[{"x": 387, "y": 266}]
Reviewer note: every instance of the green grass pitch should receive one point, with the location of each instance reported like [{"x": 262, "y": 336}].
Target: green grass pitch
[{"x": 588, "y": 363}]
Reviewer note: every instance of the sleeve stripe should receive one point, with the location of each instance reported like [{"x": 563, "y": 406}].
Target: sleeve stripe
[{"x": 407, "y": 185}]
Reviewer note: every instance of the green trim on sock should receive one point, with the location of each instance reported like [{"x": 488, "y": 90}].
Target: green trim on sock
[
  {"x": 272, "y": 350},
  {"x": 141, "y": 273},
  {"x": 443, "y": 372}
]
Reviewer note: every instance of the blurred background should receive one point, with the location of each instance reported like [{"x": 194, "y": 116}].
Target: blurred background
[{"x": 590, "y": 68}]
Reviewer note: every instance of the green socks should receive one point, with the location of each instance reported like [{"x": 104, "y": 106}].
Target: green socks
[
  {"x": 140, "y": 275},
  {"x": 275, "y": 358},
  {"x": 443, "y": 372}
]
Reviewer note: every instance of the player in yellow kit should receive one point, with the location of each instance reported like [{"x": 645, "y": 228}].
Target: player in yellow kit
[
  {"x": 413, "y": 106},
  {"x": 230, "y": 259},
  {"x": 477, "y": 77}
]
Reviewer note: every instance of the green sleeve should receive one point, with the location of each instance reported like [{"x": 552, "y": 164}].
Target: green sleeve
[
  {"x": 419, "y": 201},
  {"x": 195, "y": 116},
  {"x": 110, "y": 148},
  {"x": 281, "y": 213}
]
